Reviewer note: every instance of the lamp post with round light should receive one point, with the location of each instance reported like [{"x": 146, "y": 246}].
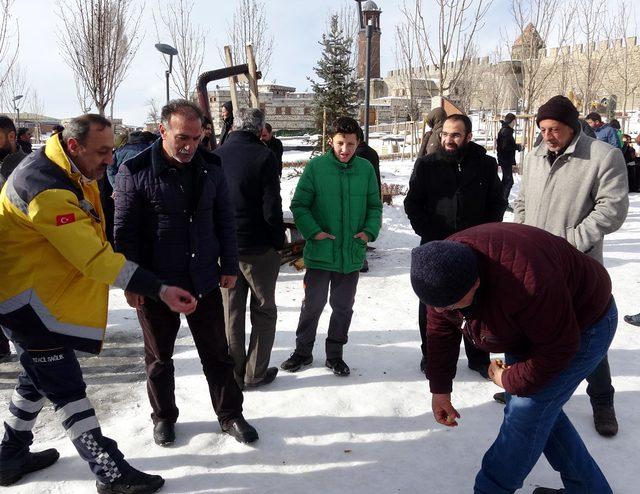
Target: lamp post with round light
[
  {"x": 171, "y": 51},
  {"x": 17, "y": 110}
]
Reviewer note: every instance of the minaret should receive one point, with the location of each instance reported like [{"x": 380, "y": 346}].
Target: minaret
[{"x": 370, "y": 11}]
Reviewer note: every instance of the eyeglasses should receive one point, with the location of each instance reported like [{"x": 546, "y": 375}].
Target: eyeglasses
[{"x": 454, "y": 135}]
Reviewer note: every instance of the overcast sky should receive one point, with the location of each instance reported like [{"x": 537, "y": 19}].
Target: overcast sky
[{"x": 297, "y": 26}]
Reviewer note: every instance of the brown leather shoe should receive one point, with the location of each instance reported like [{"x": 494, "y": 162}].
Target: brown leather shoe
[{"x": 604, "y": 418}]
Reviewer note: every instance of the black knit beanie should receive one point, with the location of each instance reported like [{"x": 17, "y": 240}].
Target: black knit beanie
[
  {"x": 443, "y": 272},
  {"x": 560, "y": 108}
]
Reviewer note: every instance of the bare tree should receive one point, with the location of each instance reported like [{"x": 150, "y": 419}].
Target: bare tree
[
  {"x": 450, "y": 40},
  {"x": 83, "y": 94},
  {"x": 15, "y": 84},
  {"x": 36, "y": 108},
  {"x": 492, "y": 83},
  {"x": 466, "y": 89},
  {"x": 98, "y": 43},
  {"x": 350, "y": 24},
  {"x": 8, "y": 49},
  {"x": 176, "y": 22},
  {"x": 405, "y": 52},
  {"x": 590, "y": 21},
  {"x": 250, "y": 26},
  {"x": 153, "y": 116},
  {"x": 626, "y": 67},
  {"x": 536, "y": 21}
]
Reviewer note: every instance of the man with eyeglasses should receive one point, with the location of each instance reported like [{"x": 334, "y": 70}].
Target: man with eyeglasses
[{"x": 455, "y": 188}]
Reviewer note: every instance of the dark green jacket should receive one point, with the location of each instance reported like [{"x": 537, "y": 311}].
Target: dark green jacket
[{"x": 341, "y": 199}]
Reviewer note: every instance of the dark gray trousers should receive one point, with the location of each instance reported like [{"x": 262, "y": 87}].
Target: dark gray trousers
[
  {"x": 257, "y": 274},
  {"x": 343, "y": 293}
]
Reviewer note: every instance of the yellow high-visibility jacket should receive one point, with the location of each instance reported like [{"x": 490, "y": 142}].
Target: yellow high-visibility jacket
[{"x": 54, "y": 256}]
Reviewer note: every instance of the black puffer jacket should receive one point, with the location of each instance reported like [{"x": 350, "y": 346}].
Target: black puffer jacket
[
  {"x": 155, "y": 227},
  {"x": 506, "y": 146},
  {"x": 251, "y": 170},
  {"x": 442, "y": 200}
]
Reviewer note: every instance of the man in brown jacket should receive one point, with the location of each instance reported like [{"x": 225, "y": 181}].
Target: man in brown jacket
[{"x": 528, "y": 293}]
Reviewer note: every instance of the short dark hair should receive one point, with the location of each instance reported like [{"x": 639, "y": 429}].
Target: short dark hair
[
  {"x": 457, "y": 117},
  {"x": 182, "y": 107},
  {"x": 22, "y": 131},
  {"x": 78, "y": 128},
  {"x": 7, "y": 125},
  {"x": 267, "y": 126},
  {"x": 595, "y": 116},
  {"x": 57, "y": 129},
  {"x": 344, "y": 125},
  {"x": 206, "y": 121}
]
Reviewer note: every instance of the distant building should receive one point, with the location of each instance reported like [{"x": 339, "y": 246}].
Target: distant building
[{"x": 284, "y": 108}]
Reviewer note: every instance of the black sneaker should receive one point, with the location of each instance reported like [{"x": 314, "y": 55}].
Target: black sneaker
[
  {"x": 241, "y": 430},
  {"x": 295, "y": 362},
  {"x": 338, "y": 366},
  {"x": 164, "y": 433},
  {"x": 133, "y": 482},
  {"x": 604, "y": 418},
  {"x": 13, "y": 470},
  {"x": 269, "y": 376},
  {"x": 547, "y": 490},
  {"x": 500, "y": 398}
]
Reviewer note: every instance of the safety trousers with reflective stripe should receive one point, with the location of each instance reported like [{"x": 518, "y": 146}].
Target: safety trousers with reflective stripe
[{"x": 55, "y": 374}]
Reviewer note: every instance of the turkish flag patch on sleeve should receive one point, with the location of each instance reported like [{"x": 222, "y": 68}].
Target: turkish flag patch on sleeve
[{"x": 65, "y": 219}]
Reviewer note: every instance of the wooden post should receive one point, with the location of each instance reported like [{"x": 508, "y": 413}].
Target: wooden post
[
  {"x": 233, "y": 80},
  {"x": 324, "y": 129},
  {"x": 252, "y": 77}
]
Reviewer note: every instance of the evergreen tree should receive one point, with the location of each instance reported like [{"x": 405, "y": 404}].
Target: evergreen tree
[{"x": 338, "y": 90}]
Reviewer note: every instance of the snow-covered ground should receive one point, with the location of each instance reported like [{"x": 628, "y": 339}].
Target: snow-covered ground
[{"x": 372, "y": 432}]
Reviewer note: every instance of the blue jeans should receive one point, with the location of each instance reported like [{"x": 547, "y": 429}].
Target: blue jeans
[{"x": 536, "y": 424}]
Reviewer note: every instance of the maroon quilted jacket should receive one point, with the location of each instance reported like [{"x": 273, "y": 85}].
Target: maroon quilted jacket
[{"x": 537, "y": 294}]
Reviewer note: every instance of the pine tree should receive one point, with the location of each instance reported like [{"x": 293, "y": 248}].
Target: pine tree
[{"x": 339, "y": 90}]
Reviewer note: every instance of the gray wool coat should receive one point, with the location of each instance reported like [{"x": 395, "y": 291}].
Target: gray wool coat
[{"x": 581, "y": 197}]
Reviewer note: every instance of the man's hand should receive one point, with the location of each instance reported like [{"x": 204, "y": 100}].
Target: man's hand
[
  {"x": 323, "y": 235},
  {"x": 228, "y": 281},
  {"x": 134, "y": 300},
  {"x": 362, "y": 236},
  {"x": 177, "y": 299},
  {"x": 496, "y": 368},
  {"x": 443, "y": 410}
]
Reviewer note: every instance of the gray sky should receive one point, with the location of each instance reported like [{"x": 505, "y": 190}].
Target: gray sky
[{"x": 297, "y": 26}]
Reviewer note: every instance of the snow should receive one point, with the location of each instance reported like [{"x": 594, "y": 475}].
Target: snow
[{"x": 372, "y": 432}]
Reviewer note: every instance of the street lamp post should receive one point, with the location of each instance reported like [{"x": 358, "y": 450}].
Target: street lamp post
[
  {"x": 171, "y": 51},
  {"x": 16, "y": 109},
  {"x": 367, "y": 74}
]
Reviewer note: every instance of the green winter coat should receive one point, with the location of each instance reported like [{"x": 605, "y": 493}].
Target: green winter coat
[{"x": 341, "y": 199}]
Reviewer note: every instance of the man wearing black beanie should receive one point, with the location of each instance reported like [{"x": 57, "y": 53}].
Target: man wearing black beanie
[
  {"x": 548, "y": 307},
  {"x": 576, "y": 187}
]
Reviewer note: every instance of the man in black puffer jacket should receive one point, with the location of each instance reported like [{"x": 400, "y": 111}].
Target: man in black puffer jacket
[
  {"x": 174, "y": 217},
  {"x": 252, "y": 170},
  {"x": 506, "y": 148},
  {"x": 455, "y": 188}
]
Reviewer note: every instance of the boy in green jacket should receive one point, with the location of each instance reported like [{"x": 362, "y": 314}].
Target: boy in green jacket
[{"x": 337, "y": 209}]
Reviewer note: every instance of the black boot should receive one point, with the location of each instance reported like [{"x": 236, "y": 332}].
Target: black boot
[
  {"x": 295, "y": 362},
  {"x": 423, "y": 365},
  {"x": 13, "y": 470},
  {"x": 500, "y": 398},
  {"x": 547, "y": 490},
  {"x": 604, "y": 418},
  {"x": 338, "y": 366},
  {"x": 164, "y": 433},
  {"x": 133, "y": 482}
]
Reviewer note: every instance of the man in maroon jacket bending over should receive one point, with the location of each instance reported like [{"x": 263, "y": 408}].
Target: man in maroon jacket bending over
[{"x": 549, "y": 308}]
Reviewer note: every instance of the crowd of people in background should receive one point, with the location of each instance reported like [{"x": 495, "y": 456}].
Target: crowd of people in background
[{"x": 197, "y": 224}]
